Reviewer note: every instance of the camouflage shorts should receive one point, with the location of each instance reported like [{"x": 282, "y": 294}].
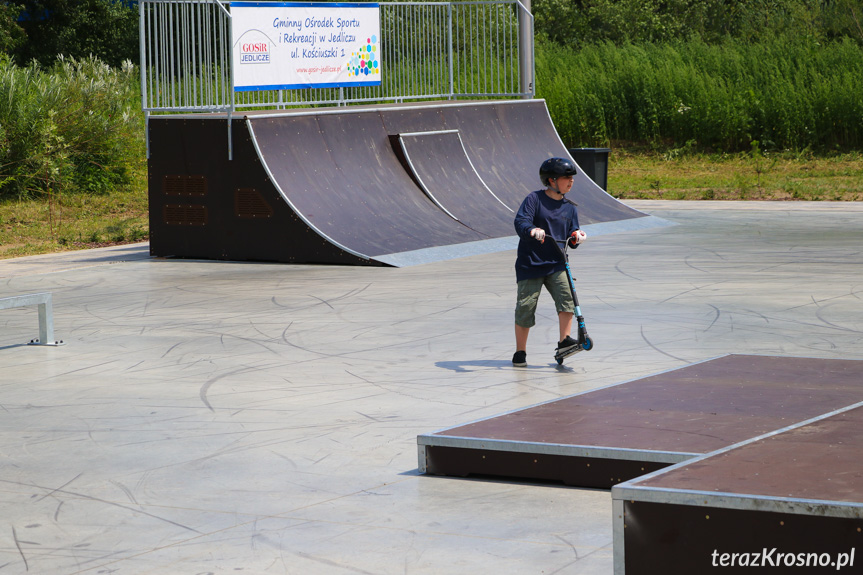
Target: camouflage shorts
[{"x": 557, "y": 285}]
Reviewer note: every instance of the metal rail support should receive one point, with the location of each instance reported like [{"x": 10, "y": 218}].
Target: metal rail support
[{"x": 46, "y": 315}]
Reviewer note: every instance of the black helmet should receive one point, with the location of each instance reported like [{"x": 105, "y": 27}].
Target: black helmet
[{"x": 554, "y": 168}]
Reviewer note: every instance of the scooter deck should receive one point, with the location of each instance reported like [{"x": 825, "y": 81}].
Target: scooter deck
[{"x": 570, "y": 352}]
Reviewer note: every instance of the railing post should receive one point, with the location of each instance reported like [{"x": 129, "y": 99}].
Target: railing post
[
  {"x": 525, "y": 49},
  {"x": 46, "y": 321},
  {"x": 449, "y": 41},
  {"x": 231, "y": 87}
]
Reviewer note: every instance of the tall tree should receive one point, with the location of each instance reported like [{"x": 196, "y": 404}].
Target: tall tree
[
  {"x": 11, "y": 34},
  {"x": 107, "y": 29}
]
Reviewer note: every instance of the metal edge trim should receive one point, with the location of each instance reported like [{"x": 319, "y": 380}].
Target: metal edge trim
[
  {"x": 448, "y": 252},
  {"x": 478, "y": 177},
  {"x": 597, "y": 452},
  {"x": 633, "y": 491},
  {"x": 426, "y": 133},
  {"x": 618, "y": 538},
  {"x": 506, "y": 243},
  {"x": 739, "y": 501},
  {"x": 379, "y": 109}
]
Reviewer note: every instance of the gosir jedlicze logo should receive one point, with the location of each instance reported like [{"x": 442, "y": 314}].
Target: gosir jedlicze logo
[
  {"x": 364, "y": 61},
  {"x": 255, "y": 52},
  {"x": 255, "y": 48}
]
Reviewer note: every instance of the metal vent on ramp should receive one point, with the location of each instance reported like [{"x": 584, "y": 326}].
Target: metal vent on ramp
[
  {"x": 185, "y": 215},
  {"x": 249, "y": 203},
  {"x": 184, "y": 185}
]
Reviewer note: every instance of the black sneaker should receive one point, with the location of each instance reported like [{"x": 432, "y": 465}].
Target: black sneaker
[
  {"x": 519, "y": 359},
  {"x": 566, "y": 345}
]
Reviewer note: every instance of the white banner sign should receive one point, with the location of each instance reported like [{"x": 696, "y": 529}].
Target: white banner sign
[{"x": 291, "y": 45}]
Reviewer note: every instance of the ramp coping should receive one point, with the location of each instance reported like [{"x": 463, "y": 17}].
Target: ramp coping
[
  {"x": 359, "y": 110},
  {"x": 427, "y": 133}
]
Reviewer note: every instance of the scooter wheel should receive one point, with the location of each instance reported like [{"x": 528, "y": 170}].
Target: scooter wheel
[
  {"x": 559, "y": 361},
  {"x": 587, "y": 345}
]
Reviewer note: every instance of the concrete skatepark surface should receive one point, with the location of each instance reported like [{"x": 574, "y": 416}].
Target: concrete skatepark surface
[{"x": 218, "y": 417}]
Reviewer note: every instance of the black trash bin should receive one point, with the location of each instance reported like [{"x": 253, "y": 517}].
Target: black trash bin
[{"x": 594, "y": 162}]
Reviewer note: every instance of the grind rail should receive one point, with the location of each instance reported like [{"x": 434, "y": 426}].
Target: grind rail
[{"x": 46, "y": 314}]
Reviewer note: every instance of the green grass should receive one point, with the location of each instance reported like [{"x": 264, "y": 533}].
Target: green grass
[
  {"x": 673, "y": 175},
  {"x": 79, "y": 221},
  {"x": 59, "y": 222},
  {"x": 72, "y": 167}
]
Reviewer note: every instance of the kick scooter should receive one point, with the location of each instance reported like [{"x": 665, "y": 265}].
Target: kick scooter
[{"x": 584, "y": 341}]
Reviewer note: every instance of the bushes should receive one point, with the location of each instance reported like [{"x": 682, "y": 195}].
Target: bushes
[
  {"x": 788, "y": 92},
  {"x": 76, "y": 126},
  {"x": 577, "y": 23}
]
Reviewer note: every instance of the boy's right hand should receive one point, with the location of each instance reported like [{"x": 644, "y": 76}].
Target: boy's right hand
[{"x": 539, "y": 234}]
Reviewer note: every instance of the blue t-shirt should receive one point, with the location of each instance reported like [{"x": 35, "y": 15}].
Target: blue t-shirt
[{"x": 559, "y": 218}]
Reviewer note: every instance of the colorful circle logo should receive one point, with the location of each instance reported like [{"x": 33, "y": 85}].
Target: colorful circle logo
[{"x": 364, "y": 61}]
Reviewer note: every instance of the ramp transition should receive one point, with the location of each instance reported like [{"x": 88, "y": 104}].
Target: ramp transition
[
  {"x": 441, "y": 167},
  {"x": 373, "y": 185}
]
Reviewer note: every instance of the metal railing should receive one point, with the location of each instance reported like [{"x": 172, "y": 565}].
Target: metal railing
[
  {"x": 46, "y": 314},
  {"x": 430, "y": 50}
]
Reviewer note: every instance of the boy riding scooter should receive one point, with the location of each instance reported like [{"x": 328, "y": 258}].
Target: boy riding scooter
[{"x": 546, "y": 215}]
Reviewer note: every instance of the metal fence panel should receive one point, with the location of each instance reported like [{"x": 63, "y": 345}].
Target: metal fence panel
[{"x": 431, "y": 50}]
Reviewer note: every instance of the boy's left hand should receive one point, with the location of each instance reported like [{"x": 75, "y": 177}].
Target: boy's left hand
[{"x": 577, "y": 237}]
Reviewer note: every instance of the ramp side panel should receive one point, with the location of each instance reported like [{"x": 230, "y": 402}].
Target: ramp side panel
[
  {"x": 442, "y": 168},
  {"x": 191, "y": 155},
  {"x": 687, "y": 539},
  {"x": 575, "y": 470},
  {"x": 797, "y": 491},
  {"x": 341, "y": 173}
]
